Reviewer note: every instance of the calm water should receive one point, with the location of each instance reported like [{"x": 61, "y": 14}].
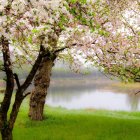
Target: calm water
[{"x": 99, "y": 95}]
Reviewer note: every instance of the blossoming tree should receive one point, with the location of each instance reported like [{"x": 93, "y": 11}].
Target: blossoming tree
[
  {"x": 85, "y": 17},
  {"x": 102, "y": 36}
]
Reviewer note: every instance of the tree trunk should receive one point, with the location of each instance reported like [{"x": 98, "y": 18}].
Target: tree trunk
[
  {"x": 6, "y": 134},
  {"x": 41, "y": 83},
  {"x": 7, "y": 127}
]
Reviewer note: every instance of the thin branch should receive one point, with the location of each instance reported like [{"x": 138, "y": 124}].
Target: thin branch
[
  {"x": 126, "y": 23},
  {"x": 61, "y": 49},
  {"x": 28, "y": 93},
  {"x": 137, "y": 92},
  {"x": 17, "y": 80},
  {"x": 114, "y": 52}
]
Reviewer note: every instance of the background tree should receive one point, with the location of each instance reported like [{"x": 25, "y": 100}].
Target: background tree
[
  {"x": 120, "y": 56},
  {"x": 115, "y": 45}
]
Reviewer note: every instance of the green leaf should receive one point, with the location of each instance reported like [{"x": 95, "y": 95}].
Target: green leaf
[
  {"x": 35, "y": 31},
  {"x": 30, "y": 40}
]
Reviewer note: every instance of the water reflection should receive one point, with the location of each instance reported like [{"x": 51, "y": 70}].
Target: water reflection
[
  {"x": 133, "y": 101},
  {"x": 95, "y": 97}
]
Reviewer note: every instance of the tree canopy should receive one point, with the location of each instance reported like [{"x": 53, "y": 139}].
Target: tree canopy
[{"x": 110, "y": 30}]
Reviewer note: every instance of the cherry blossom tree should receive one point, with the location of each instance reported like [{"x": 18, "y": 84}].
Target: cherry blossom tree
[
  {"x": 86, "y": 17},
  {"x": 94, "y": 35}
]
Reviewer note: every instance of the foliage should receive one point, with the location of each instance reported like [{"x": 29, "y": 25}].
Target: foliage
[{"x": 114, "y": 43}]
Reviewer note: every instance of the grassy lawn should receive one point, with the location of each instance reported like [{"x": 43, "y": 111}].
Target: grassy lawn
[{"x": 61, "y": 124}]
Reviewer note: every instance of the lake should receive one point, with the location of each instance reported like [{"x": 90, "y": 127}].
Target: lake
[
  {"x": 72, "y": 93},
  {"x": 95, "y": 91}
]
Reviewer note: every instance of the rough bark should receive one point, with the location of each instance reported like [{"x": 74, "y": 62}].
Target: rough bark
[
  {"x": 6, "y": 131},
  {"x": 41, "y": 83},
  {"x": 6, "y": 134}
]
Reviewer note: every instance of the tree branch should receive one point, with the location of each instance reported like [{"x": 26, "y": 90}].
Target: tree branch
[
  {"x": 33, "y": 70},
  {"x": 17, "y": 80},
  {"x": 28, "y": 93},
  {"x": 61, "y": 49},
  {"x": 9, "y": 79},
  {"x": 137, "y": 92}
]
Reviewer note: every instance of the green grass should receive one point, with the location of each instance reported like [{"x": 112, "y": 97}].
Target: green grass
[{"x": 62, "y": 124}]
